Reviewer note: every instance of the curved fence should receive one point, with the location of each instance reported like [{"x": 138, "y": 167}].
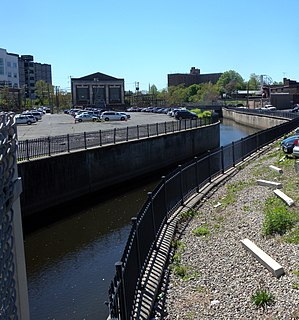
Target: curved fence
[
  {"x": 168, "y": 196},
  {"x": 46, "y": 147}
]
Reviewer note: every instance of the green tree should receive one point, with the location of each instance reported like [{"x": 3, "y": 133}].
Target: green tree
[
  {"x": 153, "y": 90},
  {"x": 229, "y": 82},
  {"x": 210, "y": 93},
  {"x": 43, "y": 92},
  {"x": 254, "y": 82}
]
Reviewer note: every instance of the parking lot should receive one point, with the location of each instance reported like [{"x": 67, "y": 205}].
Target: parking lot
[{"x": 60, "y": 124}]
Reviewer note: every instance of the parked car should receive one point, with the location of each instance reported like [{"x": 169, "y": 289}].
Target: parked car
[
  {"x": 296, "y": 148},
  {"x": 295, "y": 109},
  {"x": 126, "y": 114},
  {"x": 268, "y": 107},
  {"x": 113, "y": 115},
  {"x": 36, "y": 114},
  {"x": 185, "y": 114},
  {"x": 23, "y": 119},
  {"x": 288, "y": 143},
  {"x": 82, "y": 117}
]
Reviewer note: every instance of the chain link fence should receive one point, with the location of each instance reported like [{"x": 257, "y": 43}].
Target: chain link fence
[{"x": 14, "y": 296}]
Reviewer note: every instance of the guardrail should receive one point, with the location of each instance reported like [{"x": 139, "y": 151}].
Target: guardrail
[
  {"x": 46, "y": 147},
  {"x": 168, "y": 196}
]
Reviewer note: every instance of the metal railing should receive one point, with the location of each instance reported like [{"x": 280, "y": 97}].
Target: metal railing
[
  {"x": 168, "y": 196},
  {"x": 46, "y": 147}
]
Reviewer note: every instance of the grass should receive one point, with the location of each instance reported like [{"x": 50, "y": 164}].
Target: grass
[
  {"x": 231, "y": 192},
  {"x": 201, "y": 231},
  {"x": 278, "y": 218},
  {"x": 262, "y": 298},
  {"x": 292, "y": 236},
  {"x": 188, "y": 215}
]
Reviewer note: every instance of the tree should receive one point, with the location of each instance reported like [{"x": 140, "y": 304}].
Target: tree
[
  {"x": 254, "y": 82},
  {"x": 153, "y": 90},
  {"x": 229, "y": 82},
  {"x": 43, "y": 91}
]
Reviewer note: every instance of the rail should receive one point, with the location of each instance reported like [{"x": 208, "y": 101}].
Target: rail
[
  {"x": 49, "y": 146},
  {"x": 168, "y": 196}
]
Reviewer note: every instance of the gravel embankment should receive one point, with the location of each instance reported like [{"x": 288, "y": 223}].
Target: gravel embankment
[{"x": 222, "y": 275}]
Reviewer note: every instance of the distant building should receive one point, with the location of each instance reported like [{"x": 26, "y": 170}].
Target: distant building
[
  {"x": 30, "y": 72},
  {"x": 286, "y": 95},
  {"x": 194, "y": 77},
  {"x": 9, "y": 70},
  {"x": 98, "y": 90}
]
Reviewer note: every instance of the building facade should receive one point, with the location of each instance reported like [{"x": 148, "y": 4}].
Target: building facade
[
  {"x": 194, "y": 77},
  {"x": 30, "y": 72},
  {"x": 9, "y": 70},
  {"x": 98, "y": 90}
]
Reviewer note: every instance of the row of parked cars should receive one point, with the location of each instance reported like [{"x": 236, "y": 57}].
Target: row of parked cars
[
  {"x": 29, "y": 116},
  {"x": 177, "y": 113},
  {"x": 290, "y": 145},
  {"x": 83, "y": 115}
]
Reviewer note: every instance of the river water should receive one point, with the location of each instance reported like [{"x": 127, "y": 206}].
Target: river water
[{"x": 70, "y": 261}]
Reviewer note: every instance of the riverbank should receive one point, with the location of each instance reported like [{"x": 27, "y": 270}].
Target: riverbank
[{"x": 211, "y": 276}]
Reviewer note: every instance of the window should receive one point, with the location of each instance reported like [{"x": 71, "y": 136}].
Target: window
[
  {"x": 9, "y": 64},
  {"x": 114, "y": 94},
  {"x": 9, "y": 74}
]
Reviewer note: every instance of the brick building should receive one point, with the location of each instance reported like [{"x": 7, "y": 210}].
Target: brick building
[{"x": 194, "y": 77}]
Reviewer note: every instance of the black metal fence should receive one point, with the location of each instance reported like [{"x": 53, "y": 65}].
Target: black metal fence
[
  {"x": 43, "y": 147},
  {"x": 172, "y": 192}
]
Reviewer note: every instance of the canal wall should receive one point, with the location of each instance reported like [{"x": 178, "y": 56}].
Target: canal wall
[
  {"x": 258, "y": 121},
  {"x": 52, "y": 181}
]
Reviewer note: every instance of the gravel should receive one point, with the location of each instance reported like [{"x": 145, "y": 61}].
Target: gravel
[{"x": 221, "y": 275}]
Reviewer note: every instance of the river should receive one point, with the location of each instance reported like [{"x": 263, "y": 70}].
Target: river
[{"x": 70, "y": 261}]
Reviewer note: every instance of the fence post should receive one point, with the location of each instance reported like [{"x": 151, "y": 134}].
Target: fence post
[
  {"x": 134, "y": 227},
  {"x": 127, "y": 134},
  {"x": 157, "y": 128},
  {"x": 233, "y": 151},
  {"x": 49, "y": 146},
  {"x": 68, "y": 142},
  {"x": 242, "y": 148},
  {"x": 181, "y": 185},
  {"x": 122, "y": 295},
  {"x": 137, "y": 128},
  {"x": 163, "y": 178},
  {"x": 148, "y": 131},
  {"x": 27, "y": 149},
  {"x": 114, "y": 135},
  {"x": 150, "y": 198},
  {"x": 173, "y": 126},
  {"x": 100, "y": 137},
  {"x": 222, "y": 160},
  {"x": 84, "y": 135},
  {"x": 196, "y": 174},
  {"x": 209, "y": 165},
  {"x": 165, "y": 127}
]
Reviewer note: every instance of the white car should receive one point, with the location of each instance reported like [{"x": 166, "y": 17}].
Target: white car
[
  {"x": 24, "y": 119},
  {"x": 268, "y": 107},
  {"x": 85, "y": 117},
  {"x": 113, "y": 115}
]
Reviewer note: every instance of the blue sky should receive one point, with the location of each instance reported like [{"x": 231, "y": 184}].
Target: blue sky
[{"x": 143, "y": 41}]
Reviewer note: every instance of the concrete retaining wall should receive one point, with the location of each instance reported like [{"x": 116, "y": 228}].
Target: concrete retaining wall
[
  {"x": 258, "y": 121},
  {"x": 52, "y": 181}
]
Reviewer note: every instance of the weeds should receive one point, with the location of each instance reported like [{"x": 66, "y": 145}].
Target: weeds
[
  {"x": 262, "y": 298},
  {"x": 278, "y": 219},
  {"x": 201, "y": 231}
]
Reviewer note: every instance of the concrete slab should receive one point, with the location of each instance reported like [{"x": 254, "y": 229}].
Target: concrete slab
[
  {"x": 279, "y": 170},
  {"x": 284, "y": 197},
  {"x": 273, "y": 266},
  {"x": 271, "y": 184}
]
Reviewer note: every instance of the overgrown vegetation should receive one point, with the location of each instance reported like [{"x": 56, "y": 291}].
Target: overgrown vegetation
[{"x": 278, "y": 217}]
